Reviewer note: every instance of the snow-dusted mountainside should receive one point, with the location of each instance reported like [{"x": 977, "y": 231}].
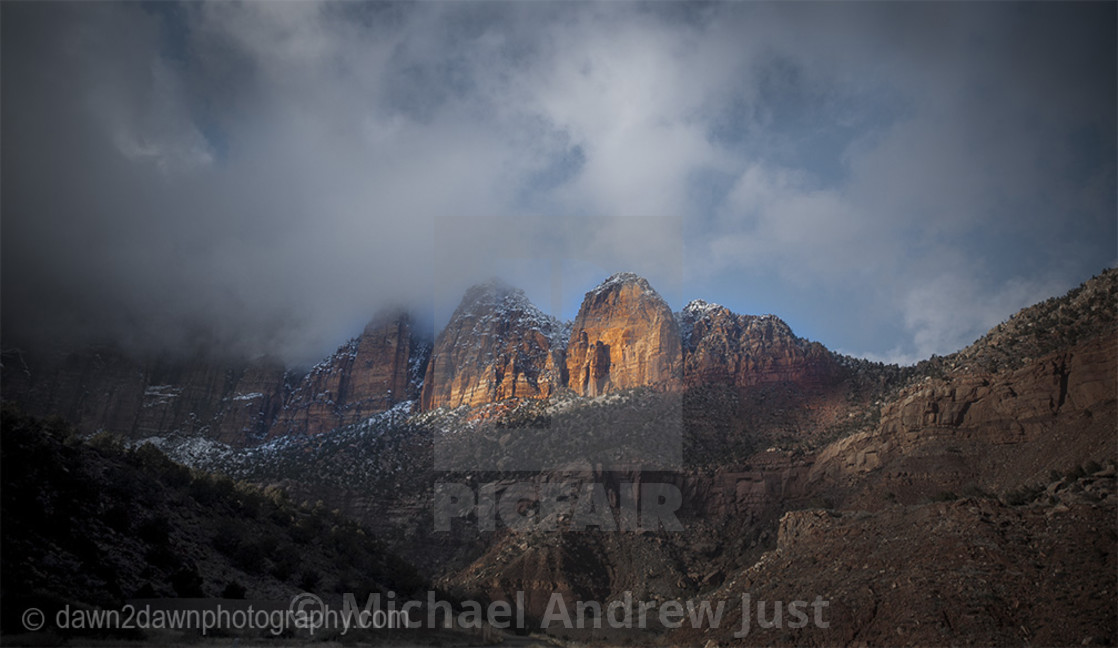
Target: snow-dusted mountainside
[
  {"x": 366, "y": 447},
  {"x": 497, "y": 345},
  {"x": 722, "y": 346}
]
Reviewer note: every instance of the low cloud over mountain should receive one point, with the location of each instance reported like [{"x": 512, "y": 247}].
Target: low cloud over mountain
[{"x": 262, "y": 177}]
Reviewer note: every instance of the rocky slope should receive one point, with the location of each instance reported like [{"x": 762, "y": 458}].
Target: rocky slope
[
  {"x": 624, "y": 336},
  {"x": 1086, "y": 312},
  {"x": 973, "y": 571},
  {"x": 989, "y": 421},
  {"x": 497, "y": 345},
  {"x": 369, "y": 374}
]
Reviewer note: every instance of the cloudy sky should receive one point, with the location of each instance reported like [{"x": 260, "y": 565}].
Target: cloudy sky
[{"x": 890, "y": 179}]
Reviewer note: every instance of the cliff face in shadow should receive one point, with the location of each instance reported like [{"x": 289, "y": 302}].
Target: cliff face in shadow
[{"x": 368, "y": 375}]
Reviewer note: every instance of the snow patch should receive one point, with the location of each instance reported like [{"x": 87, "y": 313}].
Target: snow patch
[
  {"x": 621, "y": 278},
  {"x": 160, "y": 395},
  {"x": 700, "y": 308},
  {"x": 495, "y": 303}
]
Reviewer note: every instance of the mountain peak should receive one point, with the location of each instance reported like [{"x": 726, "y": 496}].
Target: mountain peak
[
  {"x": 624, "y": 336},
  {"x": 493, "y": 290},
  {"x": 621, "y": 279},
  {"x": 390, "y": 316},
  {"x": 699, "y": 308},
  {"x": 495, "y": 300},
  {"x": 624, "y": 277},
  {"x": 497, "y": 345}
]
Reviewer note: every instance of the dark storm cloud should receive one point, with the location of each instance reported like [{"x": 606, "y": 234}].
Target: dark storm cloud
[{"x": 261, "y": 177}]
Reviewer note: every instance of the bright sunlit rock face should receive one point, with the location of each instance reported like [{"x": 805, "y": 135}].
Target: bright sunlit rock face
[{"x": 624, "y": 336}]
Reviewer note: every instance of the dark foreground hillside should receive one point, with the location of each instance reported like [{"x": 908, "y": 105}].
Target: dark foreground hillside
[{"x": 92, "y": 524}]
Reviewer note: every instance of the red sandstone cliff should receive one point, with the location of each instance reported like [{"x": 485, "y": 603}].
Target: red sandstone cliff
[
  {"x": 369, "y": 374},
  {"x": 745, "y": 350},
  {"x": 497, "y": 345},
  {"x": 624, "y": 336}
]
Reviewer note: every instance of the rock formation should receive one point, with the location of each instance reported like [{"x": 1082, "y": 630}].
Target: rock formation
[
  {"x": 369, "y": 374},
  {"x": 497, "y": 345},
  {"x": 745, "y": 350},
  {"x": 624, "y": 336}
]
